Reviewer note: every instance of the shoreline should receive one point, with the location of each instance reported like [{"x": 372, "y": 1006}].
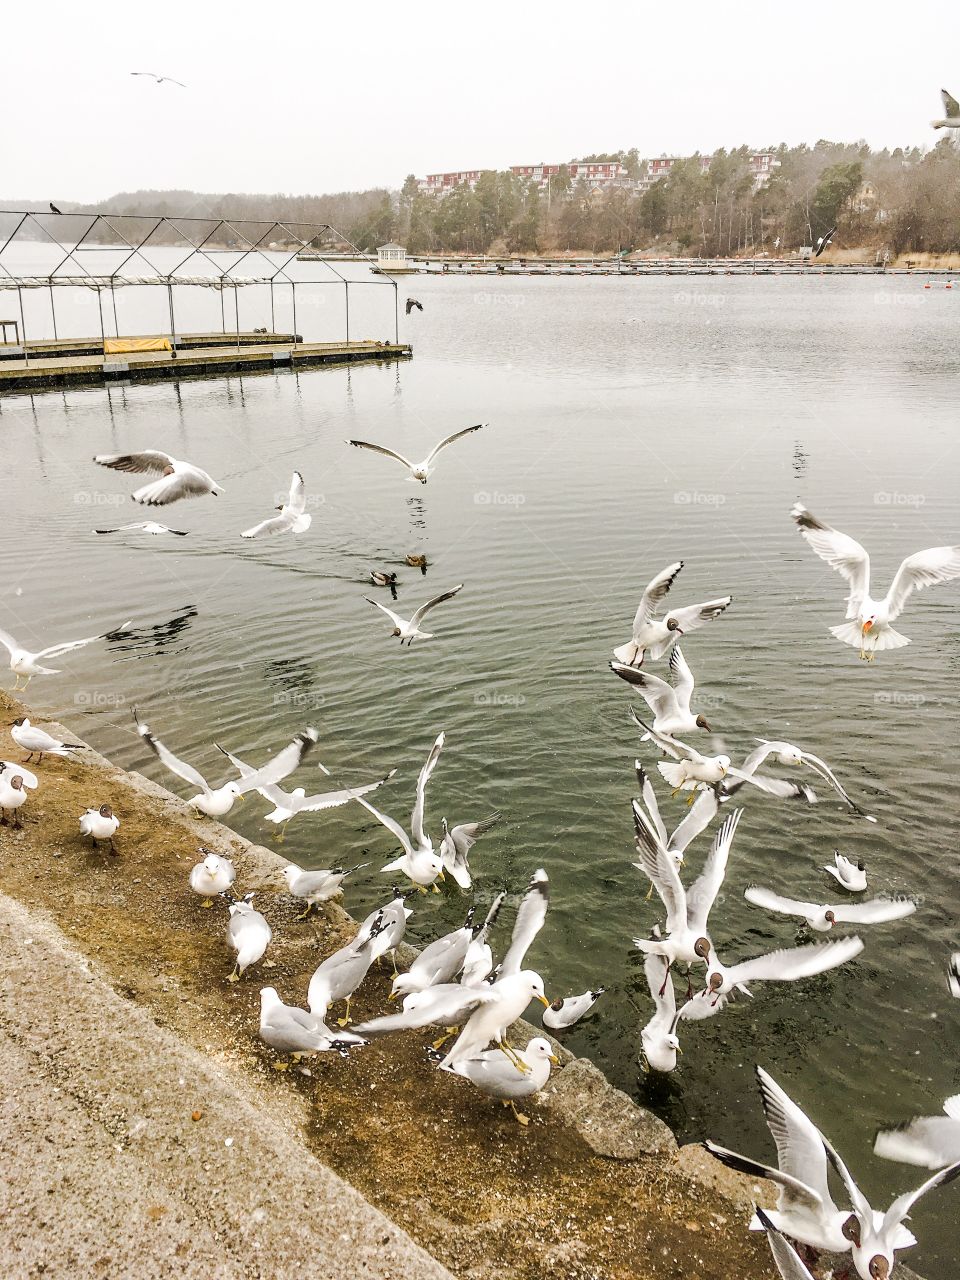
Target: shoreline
[{"x": 444, "y": 1179}]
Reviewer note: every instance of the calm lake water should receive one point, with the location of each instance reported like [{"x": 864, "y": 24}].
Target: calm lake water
[{"x": 632, "y": 423}]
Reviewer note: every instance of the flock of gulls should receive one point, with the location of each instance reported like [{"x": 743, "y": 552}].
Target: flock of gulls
[{"x": 457, "y": 986}]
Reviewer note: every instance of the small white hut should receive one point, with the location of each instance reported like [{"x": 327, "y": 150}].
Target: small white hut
[{"x": 391, "y": 257}]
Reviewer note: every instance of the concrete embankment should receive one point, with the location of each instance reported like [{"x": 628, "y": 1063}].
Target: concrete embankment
[{"x": 145, "y": 1133}]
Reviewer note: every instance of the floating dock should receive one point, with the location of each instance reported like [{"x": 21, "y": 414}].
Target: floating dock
[{"x": 78, "y": 362}]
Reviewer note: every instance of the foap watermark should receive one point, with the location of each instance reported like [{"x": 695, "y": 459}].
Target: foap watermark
[
  {"x": 486, "y": 498},
  {"x": 311, "y": 500},
  {"x": 488, "y": 299},
  {"x": 87, "y": 498},
  {"x": 695, "y": 498},
  {"x": 908, "y": 301},
  {"x": 893, "y": 498},
  {"x": 705, "y": 301},
  {"x": 298, "y": 698},
  {"x": 498, "y": 698},
  {"x": 898, "y": 698},
  {"x": 98, "y": 699}
]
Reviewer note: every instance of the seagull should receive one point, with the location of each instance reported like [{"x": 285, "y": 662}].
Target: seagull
[
  {"x": 689, "y": 828},
  {"x": 177, "y": 479},
  {"x": 215, "y": 802},
  {"x": 34, "y": 740},
  {"x": 478, "y": 962},
  {"x": 292, "y": 518},
  {"x": 212, "y": 877},
  {"x": 54, "y": 209},
  {"x": 498, "y": 1078},
  {"x": 159, "y": 79},
  {"x": 564, "y": 1013},
  {"x": 786, "y": 965},
  {"x": 457, "y": 843},
  {"x": 294, "y": 1031},
  {"x": 379, "y": 578},
  {"x": 785, "y": 1256},
  {"x": 413, "y": 302},
  {"x": 315, "y": 887},
  {"x": 391, "y": 924},
  {"x": 670, "y": 704},
  {"x": 687, "y": 911},
  {"x": 689, "y": 770},
  {"x": 851, "y": 876},
  {"x": 823, "y": 918},
  {"x": 419, "y": 862},
  {"x": 951, "y": 112},
  {"x": 437, "y": 964},
  {"x": 443, "y": 1004},
  {"x": 287, "y": 804},
  {"x": 418, "y": 470},
  {"x": 953, "y": 975},
  {"x": 657, "y": 635},
  {"x": 146, "y": 526},
  {"x": 870, "y": 628},
  {"x": 409, "y": 630},
  {"x": 823, "y": 241},
  {"x": 787, "y": 754},
  {"x": 514, "y": 988},
  {"x": 875, "y": 1237},
  {"x": 338, "y": 977},
  {"x": 248, "y": 934},
  {"x": 658, "y": 1037},
  {"x": 929, "y": 1141},
  {"x": 28, "y": 664},
  {"x": 100, "y": 824},
  {"x": 805, "y": 1207},
  {"x": 13, "y": 792}
]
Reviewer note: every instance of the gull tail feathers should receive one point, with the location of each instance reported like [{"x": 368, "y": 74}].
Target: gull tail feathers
[
  {"x": 627, "y": 654},
  {"x": 672, "y": 772},
  {"x": 876, "y": 641}
]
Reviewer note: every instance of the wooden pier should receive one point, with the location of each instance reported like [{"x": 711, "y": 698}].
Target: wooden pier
[{"x": 45, "y": 365}]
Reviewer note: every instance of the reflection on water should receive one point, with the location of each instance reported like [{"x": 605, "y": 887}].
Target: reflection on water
[{"x": 625, "y": 433}]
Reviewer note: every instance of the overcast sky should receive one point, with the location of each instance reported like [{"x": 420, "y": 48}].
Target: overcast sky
[{"x": 314, "y": 98}]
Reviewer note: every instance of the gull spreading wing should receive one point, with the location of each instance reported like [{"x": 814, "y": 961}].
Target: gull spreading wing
[
  {"x": 424, "y": 609},
  {"x": 951, "y": 107},
  {"x": 654, "y": 594},
  {"x": 791, "y": 963},
  {"x": 658, "y": 695},
  {"x": 449, "y": 440},
  {"x": 279, "y": 766},
  {"x": 173, "y": 487},
  {"x": 694, "y": 616},
  {"x": 702, "y": 894},
  {"x": 168, "y": 759},
  {"x": 149, "y": 460},
  {"x": 660, "y": 868},
  {"x": 416, "y": 818},
  {"x": 800, "y": 1152},
  {"x": 530, "y": 917},
  {"x": 380, "y": 448},
  {"x": 931, "y": 1141},
  {"x": 840, "y": 551},
  {"x": 923, "y": 569}
]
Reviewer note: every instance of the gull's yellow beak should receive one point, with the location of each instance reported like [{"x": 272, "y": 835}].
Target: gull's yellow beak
[
  {"x": 544, "y": 1001},
  {"x": 554, "y": 1059},
  {"x": 867, "y": 626},
  {"x": 394, "y": 995}
]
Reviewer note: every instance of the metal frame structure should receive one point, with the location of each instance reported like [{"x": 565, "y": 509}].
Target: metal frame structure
[{"x": 105, "y": 232}]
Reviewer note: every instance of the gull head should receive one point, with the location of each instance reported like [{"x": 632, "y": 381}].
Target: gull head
[
  {"x": 879, "y": 1267},
  {"x": 723, "y": 764},
  {"x": 16, "y": 783},
  {"x": 290, "y": 873},
  {"x": 535, "y": 986},
  {"x": 211, "y": 864},
  {"x": 403, "y": 984},
  {"x": 396, "y": 631},
  {"x": 105, "y": 811},
  {"x": 268, "y": 998},
  {"x": 830, "y": 918},
  {"x": 702, "y": 948},
  {"x": 21, "y": 723},
  {"x": 540, "y": 1047},
  {"x": 702, "y": 723},
  {"x": 715, "y": 981},
  {"x": 790, "y": 755},
  {"x": 673, "y": 625},
  {"x": 851, "y": 1230}
]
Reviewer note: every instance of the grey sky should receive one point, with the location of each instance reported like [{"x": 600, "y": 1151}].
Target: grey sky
[{"x": 310, "y": 98}]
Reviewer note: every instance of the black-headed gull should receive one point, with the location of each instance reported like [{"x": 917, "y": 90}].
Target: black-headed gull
[
  {"x": 39, "y": 742},
  {"x": 788, "y": 754},
  {"x": 670, "y": 704},
  {"x": 568, "y": 1011},
  {"x": 688, "y": 910},
  {"x": 457, "y": 843},
  {"x": 211, "y": 877},
  {"x": 293, "y": 1031},
  {"x": 658, "y": 1038},
  {"x": 495, "y": 1076},
  {"x": 697, "y": 820},
  {"x": 851, "y": 876},
  {"x": 928, "y": 1141},
  {"x": 316, "y": 887},
  {"x": 25, "y": 663},
  {"x": 655, "y": 635},
  {"x": 876, "y": 1237},
  {"x": 146, "y": 526},
  {"x": 419, "y": 862},
  {"x": 15, "y": 781},
  {"x": 293, "y": 517},
  {"x": 418, "y": 470},
  {"x": 805, "y": 1210},
  {"x": 100, "y": 825},
  {"x": 951, "y": 112},
  {"x": 177, "y": 479},
  {"x": 868, "y": 628},
  {"x": 409, "y": 629},
  {"x": 788, "y": 964},
  {"x": 248, "y": 934},
  {"x": 824, "y": 918}
]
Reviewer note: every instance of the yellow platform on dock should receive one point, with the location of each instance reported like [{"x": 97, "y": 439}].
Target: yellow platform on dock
[{"x": 203, "y": 362}]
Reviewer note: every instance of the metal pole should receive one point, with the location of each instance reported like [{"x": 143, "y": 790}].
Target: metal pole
[
  {"x": 293, "y": 286},
  {"x": 273, "y": 319},
  {"x": 346, "y": 295},
  {"x": 113, "y": 299},
  {"x": 223, "y": 312},
  {"x": 53, "y": 313},
  {"x": 396, "y": 314},
  {"x": 103, "y": 336},
  {"x": 173, "y": 323},
  {"x": 236, "y": 312},
  {"x": 23, "y": 326}
]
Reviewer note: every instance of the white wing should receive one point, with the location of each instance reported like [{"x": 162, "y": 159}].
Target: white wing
[
  {"x": 393, "y": 827},
  {"x": 661, "y": 869},
  {"x": 169, "y": 760},
  {"x": 530, "y": 917},
  {"x": 150, "y": 460},
  {"x": 449, "y": 440},
  {"x": 793, "y": 1190},
  {"x": 810, "y": 760},
  {"x": 784, "y": 1254},
  {"x": 800, "y": 1152},
  {"x": 55, "y": 650},
  {"x": 670, "y": 746},
  {"x": 29, "y": 779},
  {"x": 279, "y": 766},
  {"x": 695, "y": 616},
  {"x": 771, "y": 901},
  {"x": 8, "y": 642},
  {"x": 901, "y": 1207},
  {"x": 297, "y": 499},
  {"x": 171, "y": 488},
  {"x": 682, "y": 677},
  {"x": 654, "y": 969},
  {"x": 650, "y": 801},
  {"x": 333, "y": 799},
  {"x": 267, "y": 528},
  {"x": 877, "y": 911},
  {"x": 840, "y": 551},
  {"x": 394, "y": 617},
  {"x": 416, "y": 818},
  {"x": 924, "y": 569},
  {"x": 930, "y": 1141},
  {"x": 380, "y": 448},
  {"x": 791, "y": 963},
  {"x": 658, "y": 695},
  {"x": 699, "y": 816},
  {"x": 702, "y": 894},
  {"x": 654, "y": 593},
  {"x": 425, "y": 608}
]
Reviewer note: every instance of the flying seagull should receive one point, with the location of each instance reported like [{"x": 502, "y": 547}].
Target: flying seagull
[
  {"x": 159, "y": 79},
  {"x": 28, "y": 664},
  {"x": 823, "y": 917},
  {"x": 656, "y": 635},
  {"x": 413, "y": 302},
  {"x": 292, "y": 518},
  {"x": 147, "y": 526},
  {"x": 824, "y": 241},
  {"x": 177, "y": 479},
  {"x": 951, "y": 110},
  {"x": 409, "y": 629},
  {"x": 418, "y": 470},
  {"x": 670, "y": 704},
  {"x": 868, "y": 627}
]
